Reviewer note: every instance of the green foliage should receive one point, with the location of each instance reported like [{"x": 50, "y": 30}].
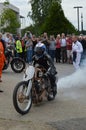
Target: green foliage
[
  {"x": 31, "y": 28},
  {"x": 40, "y": 10},
  {"x": 48, "y": 16},
  {"x": 56, "y": 22},
  {"x": 9, "y": 21},
  {"x": 6, "y": 2}
]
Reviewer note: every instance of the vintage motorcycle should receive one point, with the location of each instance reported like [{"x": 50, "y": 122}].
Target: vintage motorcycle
[
  {"x": 34, "y": 88},
  {"x": 17, "y": 64}
]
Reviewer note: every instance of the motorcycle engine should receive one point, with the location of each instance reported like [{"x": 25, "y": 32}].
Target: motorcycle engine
[
  {"x": 39, "y": 86},
  {"x": 39, "y": 74}
]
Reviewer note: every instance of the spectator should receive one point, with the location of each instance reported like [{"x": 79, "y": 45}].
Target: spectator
[
  {"x": 69, "y": 49},
  {"x": 58, "y": 49},
  {"x": 2, "y": 40},
  {"x": 18, "y": 46},
  {"x": 23, "y": 48},
  {"x": 82, "y": 39},
  {"x": 29, "y": 49},
  {"x": 34, "y": 40},
  {"x": 45, "y": 41},
  {"x": 52, "y": 47},
  {"x": 2, "y": 57},
  {"x": 28, "y": 34},
  {"x": 12, "y": 43},
  {"x": 6, "y": 39},
  {"x": 63, "y": 48},
  {"x": 77, "y": 49}
]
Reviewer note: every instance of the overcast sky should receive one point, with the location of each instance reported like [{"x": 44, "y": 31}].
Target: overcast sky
[
  {"x": 67, "y": 6},
  {"x": 71, "y": 13}
]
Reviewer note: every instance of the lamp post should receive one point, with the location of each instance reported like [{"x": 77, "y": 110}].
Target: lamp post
[
  {"x": 81, "y": 22},
  {"x": 78, "y": 7}
]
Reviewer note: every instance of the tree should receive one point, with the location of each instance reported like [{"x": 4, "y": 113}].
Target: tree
[
  {"x": 49, "y": 16},
  {"x": 6, "y": 2},
  {"x": 40, "y": 10},
  {"x": 56, "y": 22},
  {"x": 31, "y": 27},
  {"x": 9, "y": 21}
]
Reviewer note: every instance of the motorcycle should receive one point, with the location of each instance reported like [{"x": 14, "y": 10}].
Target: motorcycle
[
  {"x": 33, "y": 89},
  {"x": 17, "y": 64}
]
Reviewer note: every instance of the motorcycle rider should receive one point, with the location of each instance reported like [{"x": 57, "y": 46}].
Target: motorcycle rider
[{"x": 41, "y": 57}]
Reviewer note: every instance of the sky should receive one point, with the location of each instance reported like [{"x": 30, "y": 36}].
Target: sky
[
  {"x": 71, "y": 13},
  {"x": 67, "y": 6}
]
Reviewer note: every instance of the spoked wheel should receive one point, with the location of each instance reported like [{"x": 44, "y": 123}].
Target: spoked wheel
[
  {"x": 21, "y": 100},
  {"x": 17, "y": 65}
]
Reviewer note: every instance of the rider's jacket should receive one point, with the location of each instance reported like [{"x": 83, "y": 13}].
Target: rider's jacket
[{"x": 45, "y": 61}]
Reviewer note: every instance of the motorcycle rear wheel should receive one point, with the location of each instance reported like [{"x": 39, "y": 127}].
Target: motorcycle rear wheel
[
  {"x": 21, "y": 102},
  {"x": 51, "y": 97},
  {"x": 17, "y": 65}
]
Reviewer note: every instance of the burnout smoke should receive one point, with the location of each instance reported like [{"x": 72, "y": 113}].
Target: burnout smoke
[{"x": 77, "y": 79}]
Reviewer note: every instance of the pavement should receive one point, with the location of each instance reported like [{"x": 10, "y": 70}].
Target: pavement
[{"x": 66, "y": 112}]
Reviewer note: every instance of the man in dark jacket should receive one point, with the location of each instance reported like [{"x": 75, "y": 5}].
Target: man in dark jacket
[{"x": 42, "y": 58}]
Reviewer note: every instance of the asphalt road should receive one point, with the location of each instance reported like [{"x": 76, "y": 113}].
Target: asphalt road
[{"x": 66, "y": 112}]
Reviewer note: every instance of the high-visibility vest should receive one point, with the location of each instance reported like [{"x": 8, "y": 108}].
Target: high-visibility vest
[{"x": 18, "y": 46}]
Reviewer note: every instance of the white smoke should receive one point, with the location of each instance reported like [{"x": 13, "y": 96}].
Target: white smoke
[
  {"x": 83, "y": 63},
  {"x": 77, "y": 79}
]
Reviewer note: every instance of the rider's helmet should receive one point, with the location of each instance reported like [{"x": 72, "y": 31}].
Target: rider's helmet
[{"x": 40, "y": 49}]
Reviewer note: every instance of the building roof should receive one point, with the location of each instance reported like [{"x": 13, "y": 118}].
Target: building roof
[{"x": 14, "y": 8}]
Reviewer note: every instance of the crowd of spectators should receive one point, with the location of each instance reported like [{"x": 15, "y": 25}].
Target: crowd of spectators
[{"x": 59, "y": 47}]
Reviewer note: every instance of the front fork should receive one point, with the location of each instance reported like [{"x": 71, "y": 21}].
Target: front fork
[{"x": 29, "y": 88}]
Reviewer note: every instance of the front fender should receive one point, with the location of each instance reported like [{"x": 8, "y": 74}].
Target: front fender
[{"x": 29, "y": 73}]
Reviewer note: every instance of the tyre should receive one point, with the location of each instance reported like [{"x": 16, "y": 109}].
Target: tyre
[
  {"x": 51, "y": 96},
  {"x": 21, "y": 101},
  {"x": 52, "y": 93},
  {"x": 17, "y": 65}
]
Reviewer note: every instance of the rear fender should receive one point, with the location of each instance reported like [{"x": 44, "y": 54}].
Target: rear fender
[
  {"x": 15, "y": 58},
  {"x": 29, "y": 88}
]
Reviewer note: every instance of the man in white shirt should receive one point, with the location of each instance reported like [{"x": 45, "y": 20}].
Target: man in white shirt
[{"x": 77, "y": 50}]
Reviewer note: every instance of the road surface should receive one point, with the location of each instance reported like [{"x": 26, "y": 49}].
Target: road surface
[{"x": 66, "y": 112}]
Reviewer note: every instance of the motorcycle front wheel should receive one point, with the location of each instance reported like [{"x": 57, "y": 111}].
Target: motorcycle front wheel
[
  {"x": 21, "y": 101},
  {"x": 17, "y": 65}
]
